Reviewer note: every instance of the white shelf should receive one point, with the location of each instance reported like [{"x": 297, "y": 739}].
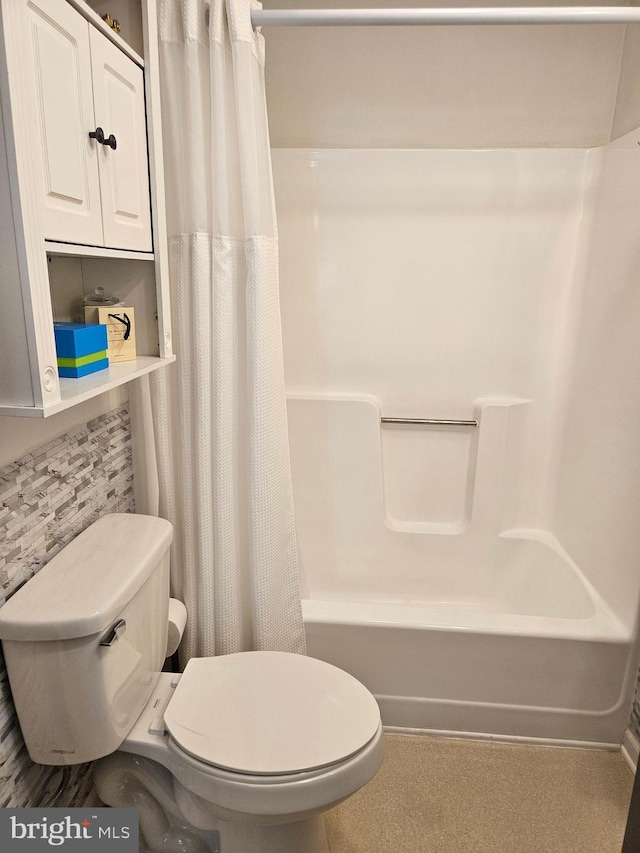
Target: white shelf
[
  {"x": 83, "y": 251},
  {"x": 73, "y": 391}
]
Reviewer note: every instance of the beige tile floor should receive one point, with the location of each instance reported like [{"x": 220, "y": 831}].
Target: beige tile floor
[{"x": 441, "y": 795}]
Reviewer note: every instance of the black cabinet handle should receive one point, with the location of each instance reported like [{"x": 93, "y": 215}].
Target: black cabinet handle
[{"x": 98, "y": 135}]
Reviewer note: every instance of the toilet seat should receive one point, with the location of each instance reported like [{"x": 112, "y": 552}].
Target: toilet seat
[
  {"x": 269, "y": 713},
  {"x": 304, "y": 793},
  {"x": 261, "y": 780}
]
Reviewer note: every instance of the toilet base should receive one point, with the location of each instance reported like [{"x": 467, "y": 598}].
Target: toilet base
[
  {"x": 125, "y": 780},
  {"x": 304, "y": 836},
  {"x": 129, "y": 781}
]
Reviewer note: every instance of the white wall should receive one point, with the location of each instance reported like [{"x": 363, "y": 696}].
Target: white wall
[
  {"x": 452, "y": 87},
  {"x": 19, "y": 436}
]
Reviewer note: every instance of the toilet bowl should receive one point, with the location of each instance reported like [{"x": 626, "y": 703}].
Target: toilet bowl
[
  {"x": 255, "y": 742},
  {"x": 241, "y": 753}
]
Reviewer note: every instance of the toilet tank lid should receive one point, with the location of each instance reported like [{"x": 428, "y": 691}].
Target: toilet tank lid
[{"x": 87, "y": 584}]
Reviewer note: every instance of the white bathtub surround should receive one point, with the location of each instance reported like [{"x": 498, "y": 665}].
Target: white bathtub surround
[
  {"x": 480, "y": 580},
  {"x": 222, "y": 442},
  {"x": 431, "y": 279},
  {"x": 470, "y": 562},
  {"x": 596, "y": 498}
]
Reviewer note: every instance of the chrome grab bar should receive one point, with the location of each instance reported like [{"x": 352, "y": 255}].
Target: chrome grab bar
[{"x": 430, "y": 422}]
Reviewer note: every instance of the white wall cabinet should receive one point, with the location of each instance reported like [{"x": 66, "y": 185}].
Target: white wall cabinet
[
  {"x": 90, "y": 130},
  {"x": 118, "y": 97},
  {"x": 59, "y": 61},
  {"x": 63, "y": 75}
]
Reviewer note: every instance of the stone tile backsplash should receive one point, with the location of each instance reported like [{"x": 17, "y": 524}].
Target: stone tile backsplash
[
  {"x": 634, "y": 722},
  {"x": 46, "y": 498}
]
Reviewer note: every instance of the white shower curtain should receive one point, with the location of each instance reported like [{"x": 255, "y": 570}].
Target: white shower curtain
[{"x": 220, "y": 412}]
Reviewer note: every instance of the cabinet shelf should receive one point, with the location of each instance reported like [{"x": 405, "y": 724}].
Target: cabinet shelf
[
  {"x": 73, "y": 391},
  {"x": 72, "y": 250}
]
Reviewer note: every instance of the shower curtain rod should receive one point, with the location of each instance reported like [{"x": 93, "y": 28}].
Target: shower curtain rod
[{"x": 437, "y": 17}]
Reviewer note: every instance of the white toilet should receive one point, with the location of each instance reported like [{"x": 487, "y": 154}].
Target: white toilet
[{"x": 240, "y": 754}]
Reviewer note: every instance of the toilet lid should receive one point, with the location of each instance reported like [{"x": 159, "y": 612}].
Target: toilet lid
[{"x": 270, "y": 713}]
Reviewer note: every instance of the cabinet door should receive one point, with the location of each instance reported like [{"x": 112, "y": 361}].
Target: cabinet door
[
  {"x": 59, "y": 74},
  {"x": 118, "y": 94}
]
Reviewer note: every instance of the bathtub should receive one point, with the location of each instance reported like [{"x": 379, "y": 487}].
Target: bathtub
[
  {"x": 506, "y": 670},
  {"x": 454, "y": 623},
  {"x": 481, "y": 673}
]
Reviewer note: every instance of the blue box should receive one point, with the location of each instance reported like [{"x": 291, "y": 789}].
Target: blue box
[
  {"x": 85, "y": 370},
  {"x": 74, "y": 340}
]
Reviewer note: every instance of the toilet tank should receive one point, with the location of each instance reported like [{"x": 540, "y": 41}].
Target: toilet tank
[{"x": 84, "y": 639}]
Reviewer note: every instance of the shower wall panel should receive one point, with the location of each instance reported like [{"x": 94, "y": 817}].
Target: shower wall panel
[
  {"x": 491, "y": 284},
  {"x": 598, "y": 484},
  {"x": 430, "y": 280}
]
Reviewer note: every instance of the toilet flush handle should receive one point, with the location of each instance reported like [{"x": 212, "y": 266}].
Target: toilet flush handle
[{"x": 114, "y": 634}]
